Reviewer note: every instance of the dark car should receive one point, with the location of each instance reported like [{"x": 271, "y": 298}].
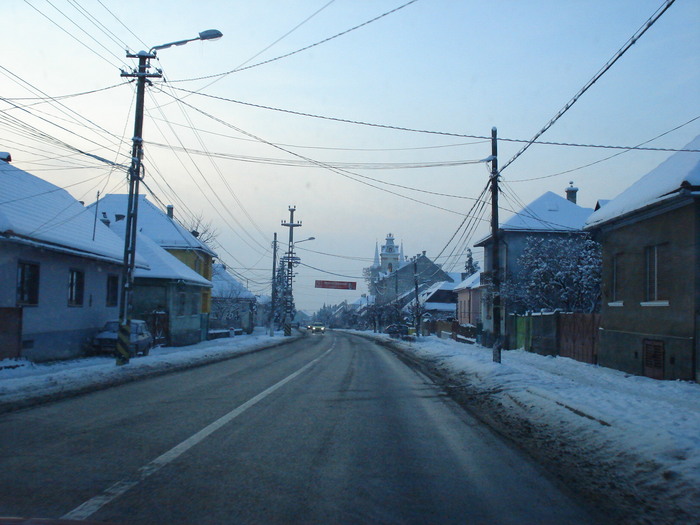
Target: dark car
[
  {"x": 141, "y": 342},
  {"x": 396, "y": 330}
]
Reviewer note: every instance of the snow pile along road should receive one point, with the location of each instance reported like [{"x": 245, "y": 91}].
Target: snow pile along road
[
  {"x": 630, "y": 442},
  {"x": 23, "y": 383}
]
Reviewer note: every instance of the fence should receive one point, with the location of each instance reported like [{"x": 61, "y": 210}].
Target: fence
[{"x": 573, "y": 335}]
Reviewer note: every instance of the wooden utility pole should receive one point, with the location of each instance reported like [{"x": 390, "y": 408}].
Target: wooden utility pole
[{"x": 495, "y": 251}]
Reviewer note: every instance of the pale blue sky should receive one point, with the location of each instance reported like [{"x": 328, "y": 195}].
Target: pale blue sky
[{"x": 450, "y": 66}]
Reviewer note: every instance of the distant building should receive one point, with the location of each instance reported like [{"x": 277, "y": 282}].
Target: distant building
[
  {"x": 469, "y": 300},
  {"x": 233, "y": 305}
]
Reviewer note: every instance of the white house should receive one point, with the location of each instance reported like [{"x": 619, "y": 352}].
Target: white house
[{"x": 60, "y": 270}]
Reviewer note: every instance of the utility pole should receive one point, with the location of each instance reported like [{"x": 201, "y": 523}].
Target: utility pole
[
  {"x": 135, "y": 175},
  {"x": 274, "y": 287},
  {"x": 291, "y": 259},
  {"x": 495, "y": 250},
  {"x": 415, "y": 281}
]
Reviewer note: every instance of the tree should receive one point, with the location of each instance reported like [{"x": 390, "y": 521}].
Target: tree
[
  {"x": 470, "y": 266},
  {"x": 203, "y": 230},
  {"x": 561, "y": 272}
]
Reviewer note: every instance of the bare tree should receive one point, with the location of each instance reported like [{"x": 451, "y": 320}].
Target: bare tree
[{"x": 202, "y": 229}]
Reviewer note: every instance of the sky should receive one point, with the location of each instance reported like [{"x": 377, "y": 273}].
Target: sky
[{"x": 414, "y": 95}]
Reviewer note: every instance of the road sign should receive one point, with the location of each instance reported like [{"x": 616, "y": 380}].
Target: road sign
[{"x": 337, "y": 285}]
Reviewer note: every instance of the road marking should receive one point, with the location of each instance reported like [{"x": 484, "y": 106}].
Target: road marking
[{"x": 94, "y": 504}]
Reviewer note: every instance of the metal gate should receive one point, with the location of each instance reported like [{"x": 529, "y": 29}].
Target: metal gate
[{"x": 10, "y": 332}]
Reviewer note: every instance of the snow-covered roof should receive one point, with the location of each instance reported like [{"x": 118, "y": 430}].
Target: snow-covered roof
[
  {"x": 162, "y": 265},
  {"x": 36, "y": 212},
  {"x": 548, "y": 213},
  {"x": 660, "y": 184},
  {"x": 226, "y": 286},
  {"x": 473, "y": 281},
  {"x": 166, "y": 232}
]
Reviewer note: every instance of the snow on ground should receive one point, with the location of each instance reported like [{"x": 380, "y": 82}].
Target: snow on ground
[
  {"x": 22, "y": 381},
  {"x": 636, "y": 437}
]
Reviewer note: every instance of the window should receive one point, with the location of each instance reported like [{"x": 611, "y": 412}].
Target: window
[
  {"x": 76, "y": 287},
  {"x": 27, "y": 284},
  {"x": 654, "y": 284},
  {"x": 112, "y": 290}
]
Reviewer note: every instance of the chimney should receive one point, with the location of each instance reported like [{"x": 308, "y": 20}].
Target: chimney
[
  {"x": 170, "y": 208},
  {"x": 195, "y": 233},
  {"x": 105, "y": 220},
  {"x": 4, "y": 155},
  {"x": 571, "y": 192}
]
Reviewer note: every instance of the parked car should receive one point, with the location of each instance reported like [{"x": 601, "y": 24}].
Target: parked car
[
  {"x": 317, "y": 328},
  {"x": 105, "y": 342},
  {"x": 396, "y": 330}
]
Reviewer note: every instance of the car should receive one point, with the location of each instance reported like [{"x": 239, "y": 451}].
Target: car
[
  {"x": 105, "y": 342},
  {"x": 317, "y": 328},
  {"x": 396, "y": 330}
]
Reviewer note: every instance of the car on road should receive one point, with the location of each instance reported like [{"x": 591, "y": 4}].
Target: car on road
[
  {"x": 105, "y": 342},
  {"x": 317, "y": 328}
]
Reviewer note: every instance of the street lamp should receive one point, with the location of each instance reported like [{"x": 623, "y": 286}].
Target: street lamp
[{"x": 135, "y": 176}]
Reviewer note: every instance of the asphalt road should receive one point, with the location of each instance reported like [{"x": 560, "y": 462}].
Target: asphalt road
[{"x": 329, "y": 429}]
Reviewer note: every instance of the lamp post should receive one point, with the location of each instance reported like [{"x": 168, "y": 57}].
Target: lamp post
[{"x": 135, "y": 175}]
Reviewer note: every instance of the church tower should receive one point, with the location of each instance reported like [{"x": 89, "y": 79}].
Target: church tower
[{"x": 390, "y": 256}]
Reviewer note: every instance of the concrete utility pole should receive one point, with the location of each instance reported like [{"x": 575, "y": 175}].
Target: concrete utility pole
[
  {"x": 135, "y": 175},
  {"x": 291, "y": 260},
  {"x": 274, "y": 286},
  {"x": 415, "y": 282},
  {"x": 141, "y": 75},
  {"x": 495, "y": 250}
]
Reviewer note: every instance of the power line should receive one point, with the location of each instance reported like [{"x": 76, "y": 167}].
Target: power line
[
  {"x": 633, "y": 39},
  {"x": 325, "y": 40},
  {"x": 424, "y": 131},
  {"x": 608, "y": 157}
]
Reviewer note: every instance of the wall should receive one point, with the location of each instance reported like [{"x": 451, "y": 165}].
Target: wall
[
  {"x": 629, "y": 321},
  {"x": 52, "y": 329}
]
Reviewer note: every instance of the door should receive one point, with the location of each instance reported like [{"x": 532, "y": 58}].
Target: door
[
  {"x": 654, "y": 359},
  {"x": 10, "y": 332}
]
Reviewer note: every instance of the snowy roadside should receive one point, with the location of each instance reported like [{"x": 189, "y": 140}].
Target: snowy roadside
[
  {"x": 23, "y": 383},
  {"x": 631, "y": 442}
]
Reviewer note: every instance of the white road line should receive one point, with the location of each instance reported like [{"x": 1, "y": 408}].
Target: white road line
[{"x": 92, "y": 505}]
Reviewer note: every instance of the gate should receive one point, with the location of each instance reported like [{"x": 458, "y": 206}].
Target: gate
[
  {"x": 578, "y": 336},
  {"x": 10, "y": 332}
]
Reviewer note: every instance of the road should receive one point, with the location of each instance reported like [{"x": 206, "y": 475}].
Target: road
[{"x": 328, "y": 429}]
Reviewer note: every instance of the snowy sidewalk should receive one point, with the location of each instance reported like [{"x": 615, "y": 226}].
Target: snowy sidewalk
[
  {"x": 23, "y": 383},
  {"x": 640, "y": 435}
]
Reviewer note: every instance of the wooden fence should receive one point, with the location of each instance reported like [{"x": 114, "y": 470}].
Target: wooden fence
[{"x": 571, "y": 335}]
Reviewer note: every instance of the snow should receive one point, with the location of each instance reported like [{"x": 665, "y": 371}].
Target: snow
[
  {"x": 660, "y": 184},
  {"x": 152, "y": 222},
  {"x": 162, "y": 265},
  {"x": 22, "y": 381},
  {"x": 39, "y": 213},
  {"x": 473, "y": 281},
  {"x": 648, "y": 430}
]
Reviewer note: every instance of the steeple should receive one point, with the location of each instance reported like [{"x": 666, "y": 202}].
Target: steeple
[
  {"x": 376, "y": 263},
  {"x": 389, "y": 255}
]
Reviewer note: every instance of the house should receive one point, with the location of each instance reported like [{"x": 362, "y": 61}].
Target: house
[
  {"x": 438, "y": 301},
  {"x": 233, "y": 305},
  {"x": 168, "y": 294},
  {"x": 650, "y": 233},
  {"x": 169, "y": 234},
  {"x": 550, "y": 215},
  {"x": 469, "y": 300},
  {"x": 60, "y": 270}
]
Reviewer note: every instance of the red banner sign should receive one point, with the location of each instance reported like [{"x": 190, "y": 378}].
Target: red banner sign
[{"x": 337, "y": 285}]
